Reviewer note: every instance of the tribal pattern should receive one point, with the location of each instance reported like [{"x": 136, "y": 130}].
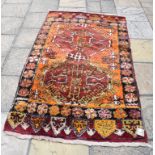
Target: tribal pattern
[{"x": 79, "y": 82}]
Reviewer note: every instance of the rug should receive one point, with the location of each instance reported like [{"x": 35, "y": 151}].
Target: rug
[{"x": 78, "y": 85}]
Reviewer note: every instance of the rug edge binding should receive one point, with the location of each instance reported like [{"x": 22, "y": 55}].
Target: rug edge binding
[
  {"x": 97, "y": 13},
  {"x": 78, "y": 142}
]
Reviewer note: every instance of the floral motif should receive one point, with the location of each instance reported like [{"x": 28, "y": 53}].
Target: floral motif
[
  {"x": 124, "y": 34},
  {"x": 46, "y": 27},
  {"x": 82, "y": 21},
  {"x": 131, "y": 97},
  {"x": 125, "y": 44},
  {"x": 42, "y": 36},
  {"x": 21, "y": 106},
  {"x": 40, "y": 41},
  {"x": 124, "y": 53},
  {"x": 30, "y": 66},
  {"x": 135, "y": 114},
  {"x": 90, "y": 113},
  {"x": 122, "y": 28},
  {"x": 58, "y": 20},
  {"x": 35, "y": 53},
  {"x": 77, "y": 112},
  {"x": 120, "y": 114},
  {"x": 127, "y": 80},
  {"x": 54, "y": 110},
  {"x": 28, "y": 74},
  {"x": 33, "y": 59},
  {"x": 37, "y": 47},
  {"x": 74, "y": 20},
  {"x": 66, "y": 20},
  {"x": 126, "y": 65},
  {"x": 89, "y": 21},
  {"x": 105, "y": 113},
  {"x": 45, "y": 31},
  {"x": 47, "y": 23},
  {"x": 51, "y": 19},
  {"x": 130, "y": 88},
  {"x": 126, "y": 72},
  {"x": 31, "y": 108},
  {"x": 125, "y": 59},
  {"x": 65, "y": 111},
  {"x": 25, "y": 83},
  {"x": 23, "y": 92},
  {"x": 42, "y": 109}
]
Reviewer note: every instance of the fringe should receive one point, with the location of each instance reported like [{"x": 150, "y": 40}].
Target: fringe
[{"x": 83, "y": 142}]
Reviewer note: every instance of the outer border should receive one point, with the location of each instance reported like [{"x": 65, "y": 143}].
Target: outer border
[{"x": 84, "y": 142}]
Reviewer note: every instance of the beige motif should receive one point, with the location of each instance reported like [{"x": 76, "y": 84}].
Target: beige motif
[
  {"x": 15, "y": 118},
  {"x": 105, "y": 127},
  {"x": 130, "y": 126}
]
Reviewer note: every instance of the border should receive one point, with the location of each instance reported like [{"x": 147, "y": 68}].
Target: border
[{"x": 84, "y": 142}]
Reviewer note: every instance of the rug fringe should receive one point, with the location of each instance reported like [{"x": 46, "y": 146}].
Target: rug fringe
[{"x": 79, "y": 142}]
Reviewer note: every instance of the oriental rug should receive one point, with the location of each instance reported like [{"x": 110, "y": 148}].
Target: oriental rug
[{"x": 78, "y": 84}]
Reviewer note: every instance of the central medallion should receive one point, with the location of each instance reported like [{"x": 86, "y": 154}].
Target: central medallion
[
  {"x": 76, "y": 81},
  {"x": 82, "y": 36}
]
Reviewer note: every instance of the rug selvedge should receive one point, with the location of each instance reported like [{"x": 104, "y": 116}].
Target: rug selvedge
[{"x": 79, "y": 82}]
